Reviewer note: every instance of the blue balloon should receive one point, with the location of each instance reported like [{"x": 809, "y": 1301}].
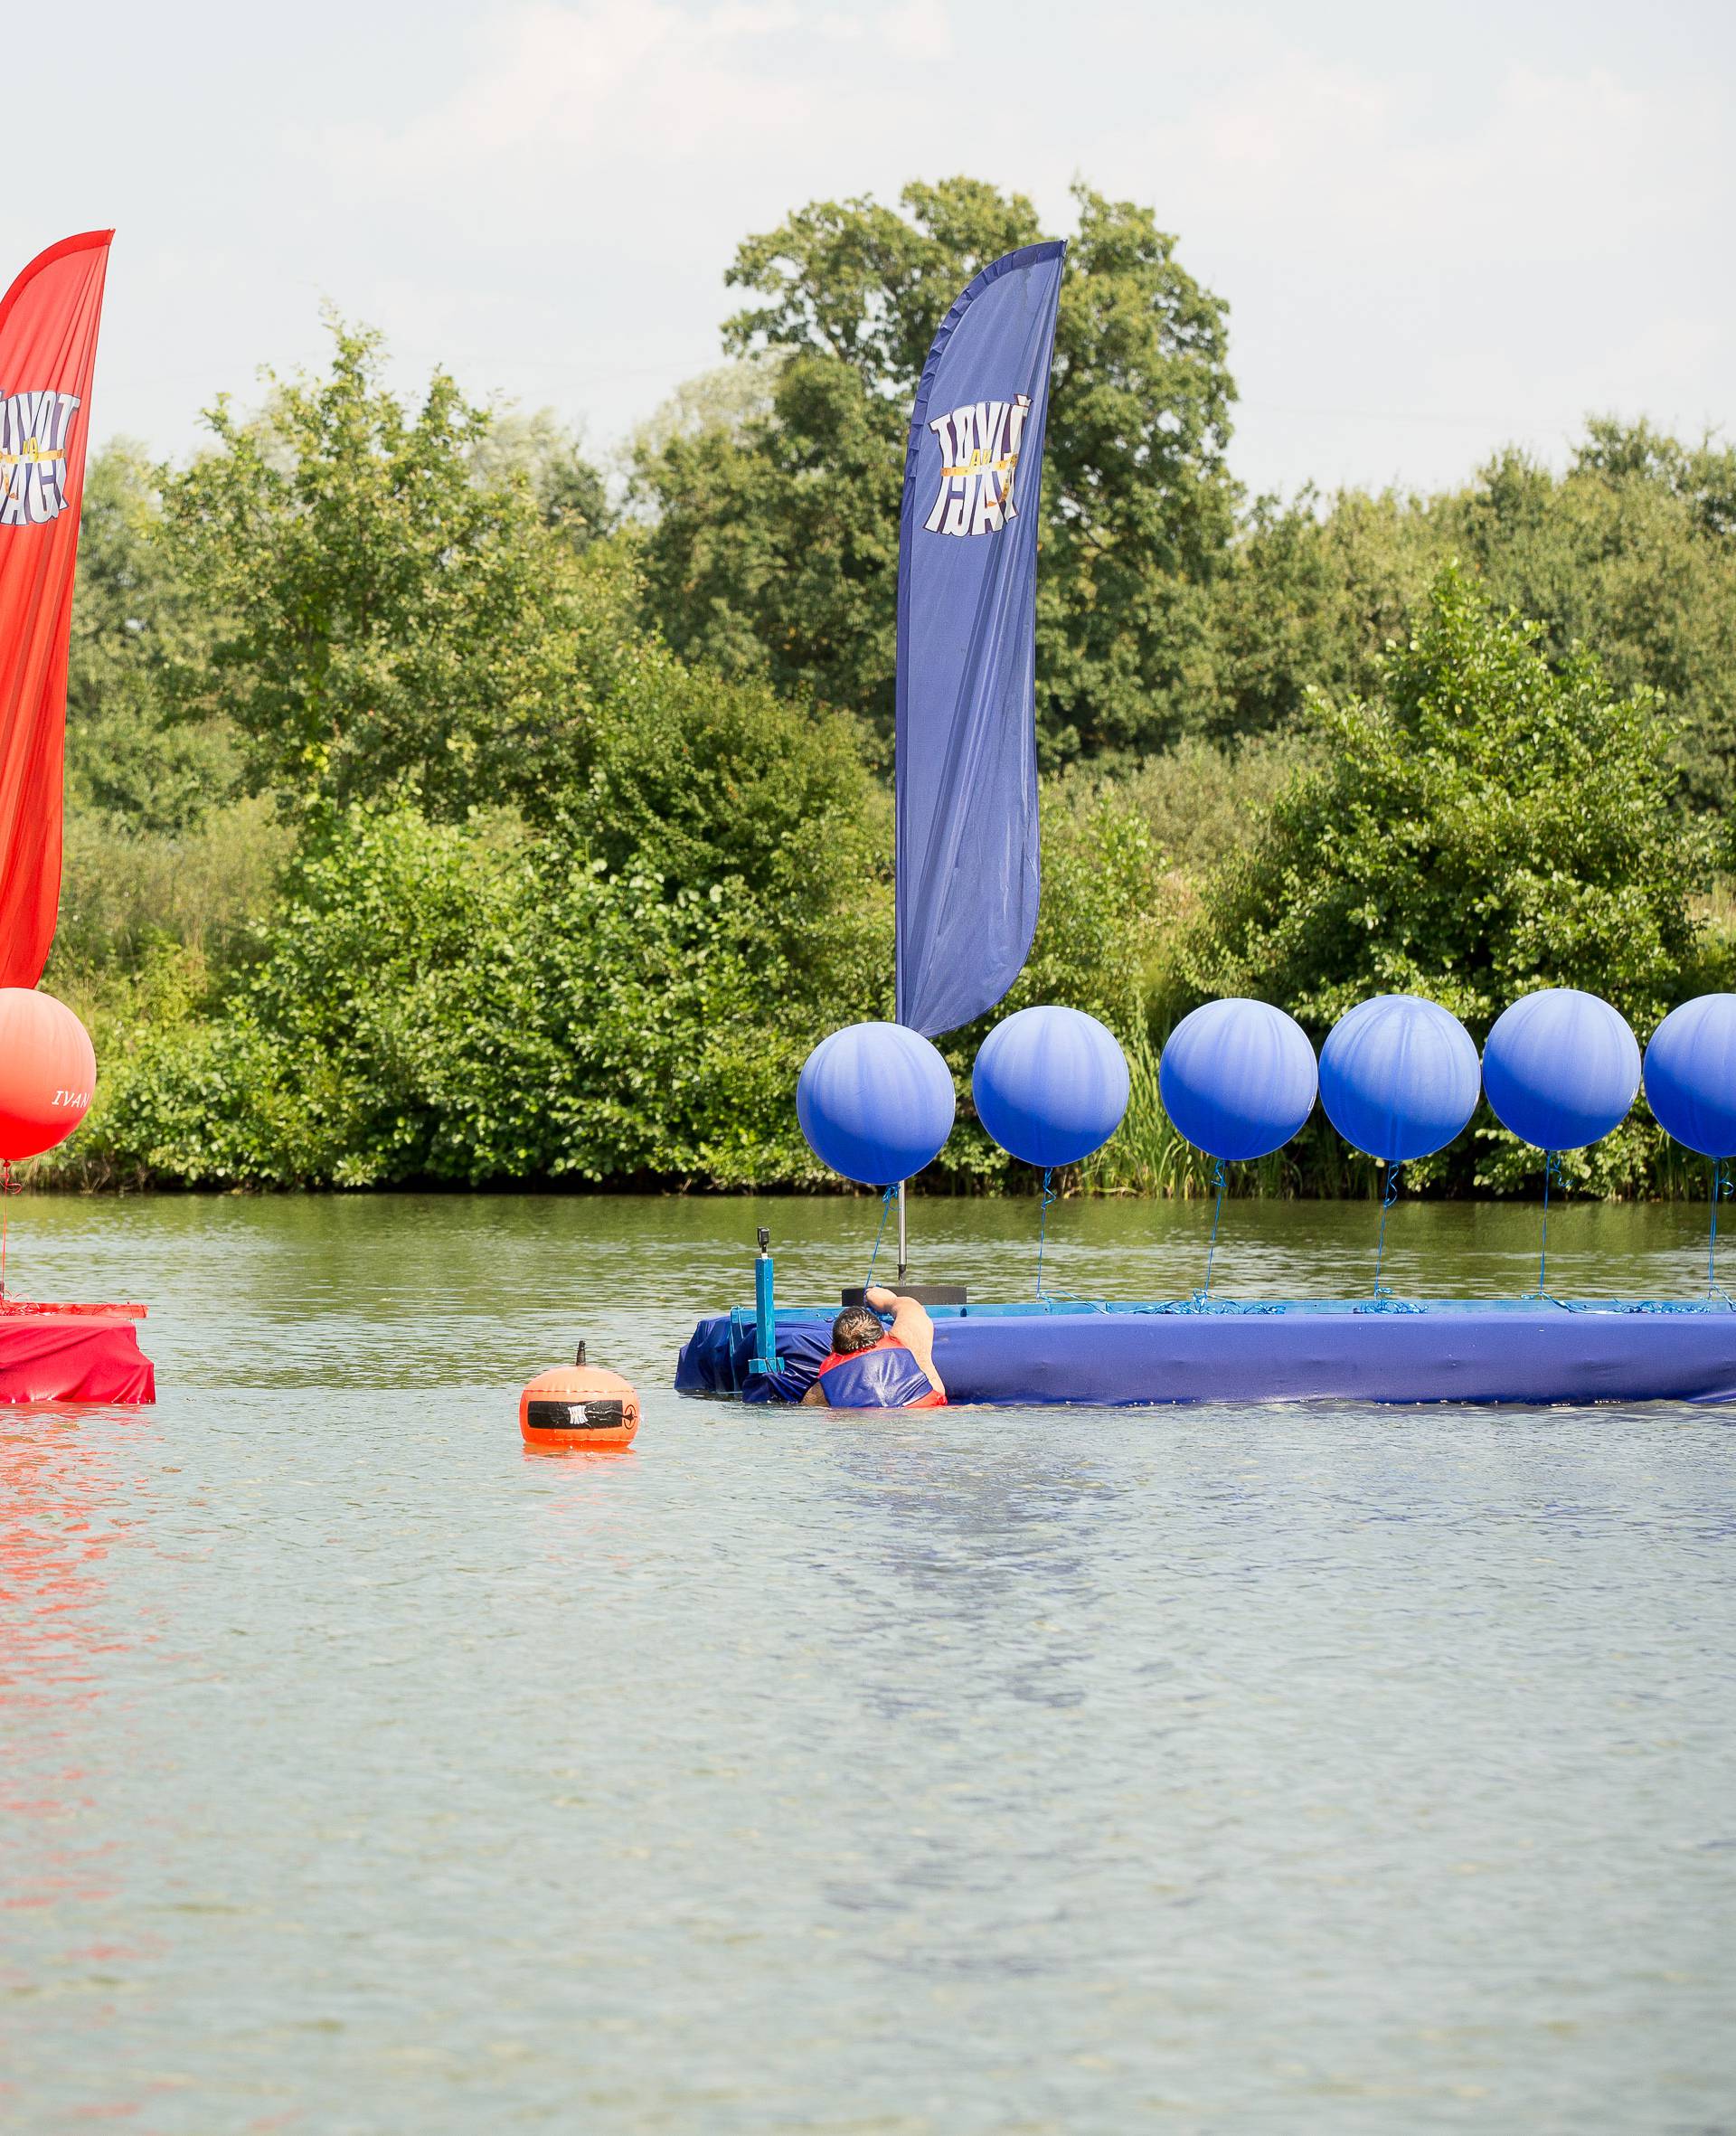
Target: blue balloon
[
  {"x": 1561, "y": 1068},
  {"x": 875, "y": 1102},
  {"x": 1399, "y": 1077},
  {"x": 1050, "y": 1085},
  {"x": 1238, "y": 1077},
  {"x": 1691, "y": 1074}
]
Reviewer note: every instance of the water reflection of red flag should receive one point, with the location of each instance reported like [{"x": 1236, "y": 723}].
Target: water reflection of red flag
[{"x": 48, "y": 352}]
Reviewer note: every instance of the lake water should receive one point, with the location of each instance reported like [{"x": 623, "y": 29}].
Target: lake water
[{"x": 1216, "y": 1769}]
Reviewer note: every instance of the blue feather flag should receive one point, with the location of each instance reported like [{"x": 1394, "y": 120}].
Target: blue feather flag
[{"x": 967, "y": 872}]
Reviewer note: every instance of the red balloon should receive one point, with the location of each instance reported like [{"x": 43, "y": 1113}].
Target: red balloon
[{"x": 48, "y": 1071}]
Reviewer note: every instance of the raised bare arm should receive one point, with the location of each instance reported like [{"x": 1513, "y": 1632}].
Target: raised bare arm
[{"x": 912, "y": 1326}]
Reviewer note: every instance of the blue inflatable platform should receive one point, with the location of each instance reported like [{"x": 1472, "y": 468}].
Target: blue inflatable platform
[{"x": 1437, "y": 1350}]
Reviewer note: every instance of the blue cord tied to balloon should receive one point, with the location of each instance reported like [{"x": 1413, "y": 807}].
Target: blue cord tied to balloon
[
  {"x": 1384, "y": 1299},
  {"x": 1722, "y": 1182},
  {"x": 886, "y": 1201},
  {"x": 1052, "y": 1194},
  {"x": 1389, "y": 1194},
  {"x": 1049, "y": 1196},
  {"x": 1543, "y": 1293},
  {"x": 1551, "y": 1170},
  {"x": 1202, "y": 1299}
]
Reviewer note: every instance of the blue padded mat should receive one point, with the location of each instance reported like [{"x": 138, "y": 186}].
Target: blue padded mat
[{"x": 1437, "y": 1350}]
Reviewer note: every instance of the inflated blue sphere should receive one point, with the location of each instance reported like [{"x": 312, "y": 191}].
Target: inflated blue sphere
[
  {"x": 1691, "y": 1074},
  {"x": 1399, "y": 1077},
  {"x": 1561, "y": 1068},
  {"x": 1050, "y": 1085},
  {"x": 875, "y": 1102},
  {"x": 1238, "y": 1078}
]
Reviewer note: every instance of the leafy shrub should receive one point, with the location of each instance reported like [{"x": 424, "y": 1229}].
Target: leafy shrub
[
  {"x": 387, "y": 621},
  {"x": 473, "y": 1002},
  {"x": 1491, "y": 825}
]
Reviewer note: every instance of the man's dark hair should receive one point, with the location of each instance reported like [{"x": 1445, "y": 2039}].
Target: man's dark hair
[{"x": 856, "y": 1328}]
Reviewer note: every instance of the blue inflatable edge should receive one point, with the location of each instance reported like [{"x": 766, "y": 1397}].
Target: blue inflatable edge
[{"x": 1159, "y": 1351}]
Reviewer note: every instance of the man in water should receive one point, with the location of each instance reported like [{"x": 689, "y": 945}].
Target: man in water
[{"x": 870, "y": 1369}]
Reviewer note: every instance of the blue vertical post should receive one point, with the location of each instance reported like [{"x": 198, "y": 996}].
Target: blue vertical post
[{"x": 765, "y": 1320}]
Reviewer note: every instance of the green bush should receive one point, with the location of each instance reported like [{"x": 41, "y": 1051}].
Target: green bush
[
  {"x": 624, "y": 991},
  {"x": 1630, "y": 551},
  {"x": 456, "y": 1003},
  {"x": 387, "y": 620},
  {"x": 209, "y": 888},
  {"x": 1490, "y": 825}
]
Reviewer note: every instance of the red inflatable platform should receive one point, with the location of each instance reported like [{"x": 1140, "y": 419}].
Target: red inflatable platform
[{"x": 73, "y": 1353}]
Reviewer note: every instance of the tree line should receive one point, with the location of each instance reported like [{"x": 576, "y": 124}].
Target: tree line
[{"x": 442, "y": 811}]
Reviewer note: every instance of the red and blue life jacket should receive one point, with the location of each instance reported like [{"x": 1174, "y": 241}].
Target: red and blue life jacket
[{"x": 885, "y": 1375}]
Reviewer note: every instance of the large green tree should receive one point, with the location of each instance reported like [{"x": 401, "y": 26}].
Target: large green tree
[
  {"x": 569, "y": 488},
  {"x": 129, "y": 759},
  {"x": 1630, "y": 550},
  {"x": 392, "y": 616},
  {"x": 773, "y": 537}
]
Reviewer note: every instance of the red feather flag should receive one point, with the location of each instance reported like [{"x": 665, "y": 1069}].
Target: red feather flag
[{"x": 48, "y": 352}]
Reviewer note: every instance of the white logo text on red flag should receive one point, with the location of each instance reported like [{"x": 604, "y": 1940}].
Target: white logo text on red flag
[{"x": 33, "y": 431}]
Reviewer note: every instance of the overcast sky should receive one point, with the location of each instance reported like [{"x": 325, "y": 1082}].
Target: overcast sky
[{"x": 1436, "y": 230}]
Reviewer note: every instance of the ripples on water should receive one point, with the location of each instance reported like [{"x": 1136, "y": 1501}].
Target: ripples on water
[{"x": 1284, "y": 1768}]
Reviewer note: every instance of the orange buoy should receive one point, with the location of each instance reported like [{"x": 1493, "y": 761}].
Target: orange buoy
[{"x": 578, "y": 1405}]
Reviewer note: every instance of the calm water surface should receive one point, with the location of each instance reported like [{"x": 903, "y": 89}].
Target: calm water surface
[{"x": 1287, "y": 1769}]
